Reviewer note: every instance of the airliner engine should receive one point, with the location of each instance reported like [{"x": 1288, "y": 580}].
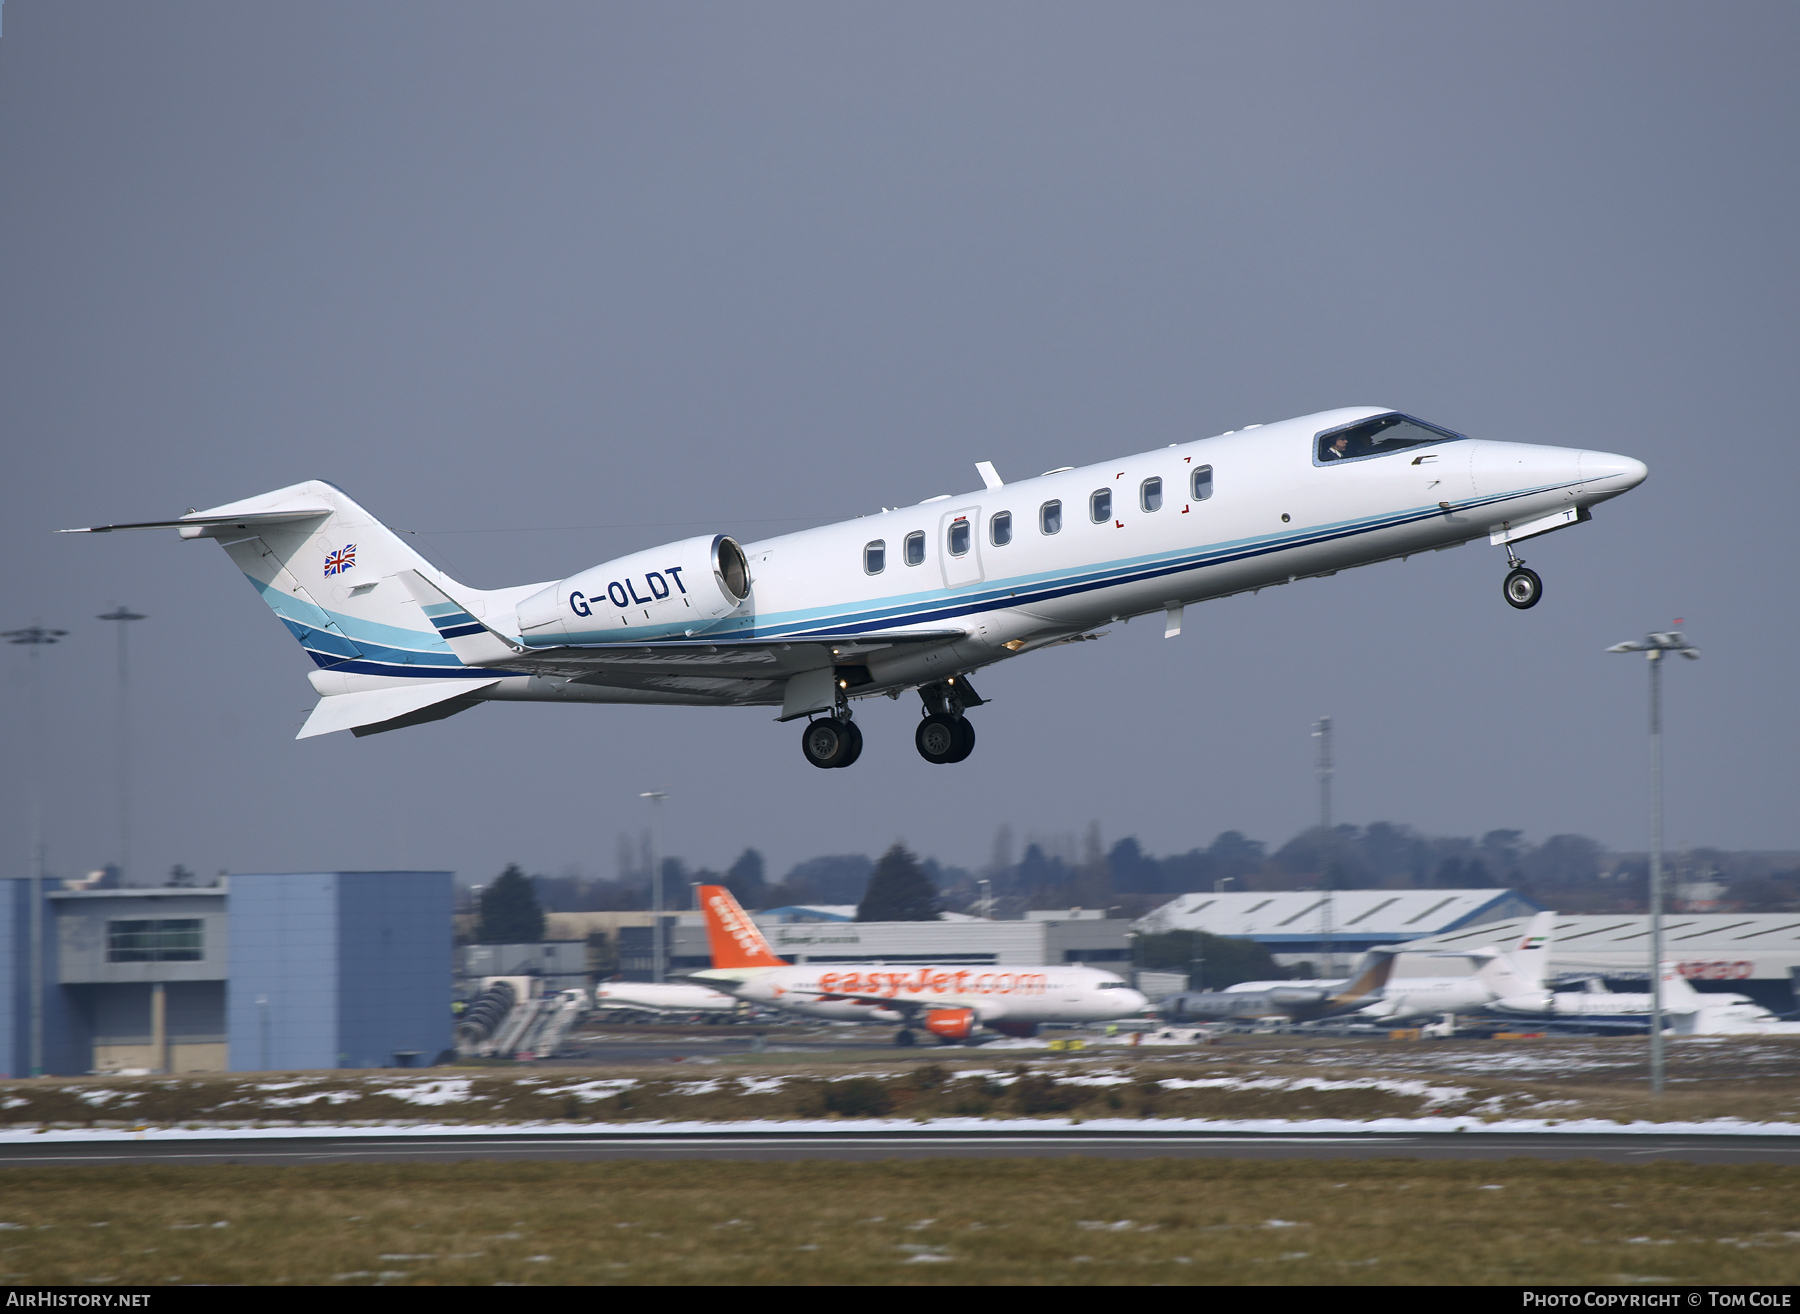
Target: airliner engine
[{"x": 666, "y": 592}]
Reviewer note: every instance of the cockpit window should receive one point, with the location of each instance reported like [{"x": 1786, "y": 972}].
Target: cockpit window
[{"x": 1377, "y": 437}]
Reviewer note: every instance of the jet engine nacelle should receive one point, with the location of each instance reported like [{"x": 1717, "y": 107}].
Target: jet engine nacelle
[
  {"x": 951, "y": 1023},
  {"x": 662, "y": 592}
]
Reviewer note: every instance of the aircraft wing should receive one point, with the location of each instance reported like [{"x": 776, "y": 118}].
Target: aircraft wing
[{"x": 744, "y": 670}]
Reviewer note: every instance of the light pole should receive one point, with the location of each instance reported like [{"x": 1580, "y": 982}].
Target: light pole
[
  {"x": 656, "y": 797},
  {"x": 123, "y": 614},
  {"x": 1654, "y": 646},
  {"x": 34, "y": 637},
  {"x": 1322, "y": 732}
]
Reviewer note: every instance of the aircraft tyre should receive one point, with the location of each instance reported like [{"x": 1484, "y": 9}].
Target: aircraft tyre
[
  {"x": 965, "y": 743},
  {"x": 826, "y": 742},
  {"x": 940, "y": 740},
  {"x": 1523, "y": 588},
  {"x": 853, "y": 733},
  {"x": 903, "y": 1037}
]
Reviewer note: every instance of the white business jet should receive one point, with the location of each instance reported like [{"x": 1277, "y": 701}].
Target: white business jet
[
  {"x": 912, "y": 598},
  {"x": 952, "y": 1002},
  {"x": 1690, "y": 1013},
  {"x": 1516, "y": 970}
]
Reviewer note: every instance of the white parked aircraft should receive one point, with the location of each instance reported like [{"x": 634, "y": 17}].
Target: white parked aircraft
[
  {"x": 1690, "y": 1012},
  {"x": 913, "y": 598},
  {"x": 1375, "y": 994},
  {"x": 952, "y": 1002},
  {"x": 662, "y": 997}
]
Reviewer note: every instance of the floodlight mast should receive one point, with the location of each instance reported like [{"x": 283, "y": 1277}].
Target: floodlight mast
[
  {"x": 36, "y": 636},
  {"x": 1654, "y": 646},
  {"x": 656, "y": 797}
]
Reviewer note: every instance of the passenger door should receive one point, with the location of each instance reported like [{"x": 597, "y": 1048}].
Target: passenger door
[{"x": 960, "y": 529}]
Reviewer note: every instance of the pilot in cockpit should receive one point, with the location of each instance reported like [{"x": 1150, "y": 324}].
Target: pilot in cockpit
[{"x": 1337, "y": 449}]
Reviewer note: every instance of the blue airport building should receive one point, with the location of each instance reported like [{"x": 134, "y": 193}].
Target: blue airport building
[{"x": 289, "y": 970}]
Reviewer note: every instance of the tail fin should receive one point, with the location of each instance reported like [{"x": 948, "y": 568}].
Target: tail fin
[
  {"x": 1677, "y": 995},
  {"x": 327, "y": 569},
  {"x": 733, "y": 938},
  {"x": 1531, "y": 955},
  {"x": 1520, "y": 969},
  {"x": 1378, "y": 965}
]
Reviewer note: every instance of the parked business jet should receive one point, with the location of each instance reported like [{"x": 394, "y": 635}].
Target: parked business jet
[
  {"x": 1518, "y": 969},
  {"x": 1689, "y": 1011},
  {"x": 1376, "y": 995},
  {"x": 1292, "y": 1001},
  {"x": 912, "y": 598},
  {"x": 952, "y": 1002}
]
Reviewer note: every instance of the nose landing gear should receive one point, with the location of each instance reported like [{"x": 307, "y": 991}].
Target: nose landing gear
[{"x": 1522, "y": 588}]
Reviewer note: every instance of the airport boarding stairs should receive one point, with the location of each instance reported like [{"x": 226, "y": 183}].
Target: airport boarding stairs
[{"x": 506, "y": 1021}]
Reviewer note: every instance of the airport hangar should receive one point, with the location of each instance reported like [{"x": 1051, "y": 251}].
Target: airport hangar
[
  {"x": 831, "y": 934},
  {"x": 1753, "y": 954},
  {"x": 279, "y": 971},
  {"x": 1331, "y": 929}
]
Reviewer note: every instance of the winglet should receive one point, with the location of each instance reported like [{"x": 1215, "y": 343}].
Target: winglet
[
  {"x": 473, "y": 641},
  {"x": 734, "y": 939}
]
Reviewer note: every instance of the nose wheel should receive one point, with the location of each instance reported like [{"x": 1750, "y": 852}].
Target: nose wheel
[{"x": 1522, "y": 588}]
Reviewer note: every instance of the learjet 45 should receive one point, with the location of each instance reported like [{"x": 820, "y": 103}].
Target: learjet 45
[{"x": 912, "y": 598}]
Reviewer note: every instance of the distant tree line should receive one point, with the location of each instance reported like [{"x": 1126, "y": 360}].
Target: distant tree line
[{"x": 1571, "y": 873}]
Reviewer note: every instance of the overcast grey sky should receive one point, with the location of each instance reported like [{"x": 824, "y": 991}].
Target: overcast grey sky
[{"x": 551, "y": 282}]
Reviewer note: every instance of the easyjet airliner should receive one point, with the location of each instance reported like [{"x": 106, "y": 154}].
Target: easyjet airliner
[{"x": 951, "y": 1002}]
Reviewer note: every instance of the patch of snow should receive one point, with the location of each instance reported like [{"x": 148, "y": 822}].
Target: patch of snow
[{"x": 451, "y": 1090}]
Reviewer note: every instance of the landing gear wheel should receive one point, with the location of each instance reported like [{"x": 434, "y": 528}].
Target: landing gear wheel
[
  {"x": 966, "y": 739},
  {"x": 853, "y": 750},
  {"x": 903, "y": 1038},
  {"x": 1523, "y": 588},
  {"x": 827, "y": 742},
  {"x": 939, "y": 739}
]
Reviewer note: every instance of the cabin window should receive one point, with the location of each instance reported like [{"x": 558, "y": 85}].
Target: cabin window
[
  {"x": 1100, "y": 506},
  {"x": 1000, "y": 528},
  {"x": 1150, "y": 494},
  {"x": 875, "y": 557},
  {"x": 959, "y": 537},
  {"x": 1377, "y": 437},
  {"x": 1202, "y": 483},
  {"x": 1050, "y": 517},
  {"x": 915, "y": 548}
]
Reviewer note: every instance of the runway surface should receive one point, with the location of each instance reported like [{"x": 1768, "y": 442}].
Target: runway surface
[{"x": 865, "y": 1146}]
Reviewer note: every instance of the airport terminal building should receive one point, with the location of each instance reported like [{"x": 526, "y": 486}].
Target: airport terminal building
[{"x": 260, "y": 972}]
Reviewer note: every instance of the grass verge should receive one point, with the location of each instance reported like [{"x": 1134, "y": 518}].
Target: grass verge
[{"x": 1055, "y": 1221}]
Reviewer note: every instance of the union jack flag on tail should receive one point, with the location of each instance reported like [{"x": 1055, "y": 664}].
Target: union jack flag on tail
[{"x": 338, "y": 562}]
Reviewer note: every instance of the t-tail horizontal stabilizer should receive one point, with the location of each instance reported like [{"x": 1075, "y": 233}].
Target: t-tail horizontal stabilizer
[{"x": 373, "y": 710}]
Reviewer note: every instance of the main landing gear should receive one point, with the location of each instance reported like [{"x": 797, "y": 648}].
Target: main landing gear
[
  {"x": 945, "y": 734},
  {"x": 1522, "y": 588},
  {"x": 831, "y": 742}
]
